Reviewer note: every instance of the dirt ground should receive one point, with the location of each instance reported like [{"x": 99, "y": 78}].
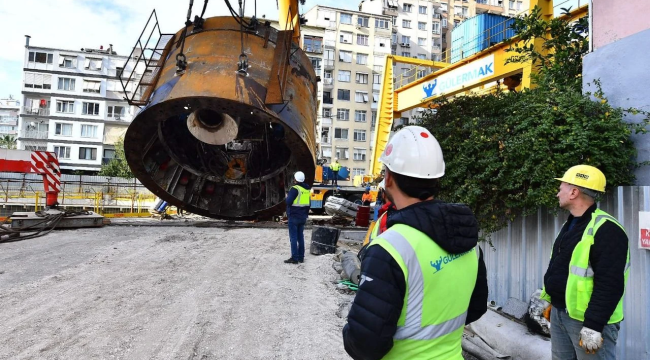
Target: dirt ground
[{"x": 167, "y": 293}]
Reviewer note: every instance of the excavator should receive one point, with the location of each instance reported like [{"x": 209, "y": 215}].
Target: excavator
[{"x": 228, "y": 112}]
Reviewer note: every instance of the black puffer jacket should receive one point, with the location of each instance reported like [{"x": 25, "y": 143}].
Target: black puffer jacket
[
  {"x": 608, "y": 256},
  {"x": 372, "y": 320}
]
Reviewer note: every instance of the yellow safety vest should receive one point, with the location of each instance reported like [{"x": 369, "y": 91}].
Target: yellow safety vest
[
  {"x": 303, "y": 196},
  {"x": 580, "y": 283},
  {"x": 335, "y": 166},
  {"x": 439, "y": 286}
]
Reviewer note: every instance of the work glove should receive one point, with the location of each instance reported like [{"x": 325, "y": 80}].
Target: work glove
[
  {"x": 590, "y": 340},
  {"x": 547, "y": 313}
]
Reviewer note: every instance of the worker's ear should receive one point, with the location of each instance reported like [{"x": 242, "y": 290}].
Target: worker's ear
[{"x": 388, "y": 179}]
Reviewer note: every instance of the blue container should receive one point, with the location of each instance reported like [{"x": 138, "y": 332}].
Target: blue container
[
  {"x": 328, "y": 174},
  {"x": 479, "y": 33}
]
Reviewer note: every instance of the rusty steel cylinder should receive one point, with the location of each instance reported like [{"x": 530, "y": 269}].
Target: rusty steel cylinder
[{"x": 222, "y": 143}]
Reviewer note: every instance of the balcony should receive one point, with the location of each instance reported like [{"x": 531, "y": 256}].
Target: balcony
[
  {"x": 325, "y": 140},
  {"x": 328, "y": 64},
  {"x": 376, "y": 86},
  {"x": 328, "y": 83},
  {"x": 326, "y": 120},
  {"x": 328, "y": 100},
  {"x": 36, "y": 111},
  {"x": 9, "y": 120},
  {"x": 488, "y": 6},
  {"x": 314, "y": 49},
  {"x": 389, "y": 11},
  {"x": 32, "y": 134}
]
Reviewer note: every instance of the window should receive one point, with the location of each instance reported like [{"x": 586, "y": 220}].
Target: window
[
  {"x": 406, "y": 39},
  {"x": 119, "y": 71},
  {"x": 362, "y": 59},
  {"x": 376, "y": 79},
  {"x": 340, "y": 133},
  {"x": 422, "y": 56},
  {"x": 313, "y": 44},
  {"x": 38, "y": 81},
  {"x": 444, "y": 22},
  {"x": 63, "y": 129},
  {"x": 358, "y": 172},
  {"x": 362, "y": 39},
  {"x": 65, "y": 107},
  {"x": 436, "y": 28},
  {"x": 378, "y": 68},
  {"x": 362, "y": 78},
  {"x": 346, "y": 18},
  {"x": 343, "y": 153},
  {"x": 422, "y": 41},
  {"x": 325, "y": 135},
  {"x": 465, "y": 11},
  {"x": 327, "y": 112},
  {"x": 404, "y": 121},
  {"x": 375, "y": 97},
  {"x": 62, "y": 152},
  {"x": 343, "y": 95},
  {"x": 326, "y": 151},
  {"x": 66, "y": 84},
  {"x": 373, "y": 118},
  {"x": 345, "y": 56},
  {"x": 329, "y": 56},
  {"x": 344, "y": 75},
  {"x": 518, "y": 5},
  {"x": 69, "y": 62},
  {"x": 394, "y": 20},
  {"x": 87, "y": 153},
  {"x": 343, "y": 114},
  {"x": 359, "y": 135},
  {"x": 315, "y": 63},
  {"x": 422, "y": 10},
  {"x": 407, "y": 7},
  {"x": 421, "y": 73},
  {"x": 109, "y": 153},
  {"x": 360, "y": 115},
  {"x": 457, "y": 10},
  {"x": 327, "y": 77},
  {"x": 422, "y": 25},
  {"x": 116, "y": 111},
  {"x": 93, "y": 64},
  {"x": 363, "y": 21},
  {"x": 511, "y": 4},
  {"x": 40, "y": 57},
  {"x": 444, "y": 7},
  {"x": 381, "y": 42},
  {"x": 359, "y": 154},
  {"x": 381, "y": 24},
  {"x": 406, "y": 54},
  {"x": 406, "y": 24},
  {"x": 90, "y": 108},
  {"x": 89, "y": 131},
  {"x": 327, "y": 97},
  {"x": 361, "y": 96},
  {"x": 345, "y": 37},
  {"x": 92, "y": 86}
]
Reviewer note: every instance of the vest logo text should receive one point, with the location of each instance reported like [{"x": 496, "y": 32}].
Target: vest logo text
[{"x": 444, "y": 260}]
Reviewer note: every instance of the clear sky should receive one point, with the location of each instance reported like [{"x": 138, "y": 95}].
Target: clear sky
[{"x": 76, "y": 24}]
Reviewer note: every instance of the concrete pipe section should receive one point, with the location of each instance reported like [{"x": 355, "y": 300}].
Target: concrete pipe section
[{"x": 210, "y": 139}]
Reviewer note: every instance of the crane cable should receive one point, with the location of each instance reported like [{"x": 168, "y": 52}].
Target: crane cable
[{"x": 181, "y": 59}]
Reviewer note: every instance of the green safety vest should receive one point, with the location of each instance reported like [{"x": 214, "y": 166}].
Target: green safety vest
[
  {"x": 303, "y": 196},
  {"x": 335, "y": 166},
  {"x": 375, "y": 229},
  {"x": 580, "y": 283},
  {"x": 439, "y": 286}
]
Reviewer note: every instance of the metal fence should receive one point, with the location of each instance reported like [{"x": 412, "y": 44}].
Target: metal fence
[
  {"x": 520, "y": 254},
  {"x": 108, "y": 196}
]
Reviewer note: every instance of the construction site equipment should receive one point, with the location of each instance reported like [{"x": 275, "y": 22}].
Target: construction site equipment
[
  {"x": 323, "y": 240},
  {"x": 485, "y": 67},
  {"x": 29, "y": 225},
  {"x": 229, "y": 113},
  {"x": 43, "y": 163}
]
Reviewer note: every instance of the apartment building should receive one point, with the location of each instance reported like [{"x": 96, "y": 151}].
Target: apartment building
[
  {"x": 416, "y": 32},
  {"x": 355, "y": 46},
  {"x": 9, "y": 109},
  {"x": 73, "y": 104}
]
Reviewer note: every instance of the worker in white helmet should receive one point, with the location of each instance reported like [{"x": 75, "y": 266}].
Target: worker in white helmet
[
  {"x": 298, "y": 201},
  {"x": 423, "y": 279},
  {"x": 335, "y": 166}
]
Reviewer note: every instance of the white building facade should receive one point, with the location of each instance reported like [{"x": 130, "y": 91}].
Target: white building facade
[
  {"x": 9, "y": 110},
  {"x": 73, "y": 105}
]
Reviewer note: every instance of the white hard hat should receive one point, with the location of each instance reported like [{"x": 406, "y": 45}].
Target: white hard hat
[
  {"x": 336, "y": 159},
  {"x": 299, "y": 176},
  {"x": 382, "y": 184},
  {"x": 414, "y": 152}
]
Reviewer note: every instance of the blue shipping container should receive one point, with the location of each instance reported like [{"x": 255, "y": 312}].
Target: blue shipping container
[
  {"x": 479, "y": 33},
  {"x": 328, "y": 174}
]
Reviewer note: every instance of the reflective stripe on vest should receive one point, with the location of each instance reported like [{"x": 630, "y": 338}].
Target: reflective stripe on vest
[
  {"x": 580, "y": 282},
  {"x": 439, "y": 286},
  {"x": 303, "y": 197},
  {"x": 375, "y": 229}
]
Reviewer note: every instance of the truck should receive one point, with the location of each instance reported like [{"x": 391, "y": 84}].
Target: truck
[{"x": 323, "y": 188}]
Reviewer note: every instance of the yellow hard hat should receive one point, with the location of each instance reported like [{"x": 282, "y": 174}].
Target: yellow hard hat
[{"x": 585, "y": 176}]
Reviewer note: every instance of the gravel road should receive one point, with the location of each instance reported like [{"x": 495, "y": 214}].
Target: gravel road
[{"x": 167, "y": 293}]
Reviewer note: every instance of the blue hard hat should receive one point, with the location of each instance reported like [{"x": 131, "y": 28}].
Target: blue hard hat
[{"x": 368, "y": 188}]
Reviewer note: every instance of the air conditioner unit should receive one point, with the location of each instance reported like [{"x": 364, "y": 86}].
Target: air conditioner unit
[{"x": 406, "y": 45}]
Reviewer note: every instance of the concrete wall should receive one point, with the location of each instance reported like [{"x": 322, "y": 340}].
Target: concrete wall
[
  {"x": 615, "y": 20},
  {"x": 622, "y": 67}
]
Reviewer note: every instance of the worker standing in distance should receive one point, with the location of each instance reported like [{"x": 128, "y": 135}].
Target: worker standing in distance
[
  {"x": 335, "y": 166},
  {"x": 424, "y": 278},
  {"x": 586, "y": 276},
  {"x": 366, "y": 199},
  {"x": 297, "y": 211}
]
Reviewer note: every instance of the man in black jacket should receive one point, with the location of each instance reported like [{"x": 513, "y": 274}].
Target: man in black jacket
[
  {"x": 585, "y": 280},
  {"x": 404, "y": 308}
]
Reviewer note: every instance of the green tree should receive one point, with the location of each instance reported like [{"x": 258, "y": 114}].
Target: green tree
[
  {"x": 504, "y": 150},
  {"x": 118, "y": 166},
  {"x": 8, "y": 142}
]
